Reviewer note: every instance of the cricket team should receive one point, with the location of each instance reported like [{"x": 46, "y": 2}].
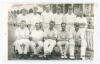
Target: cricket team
[{"x": 42, "y": 32}]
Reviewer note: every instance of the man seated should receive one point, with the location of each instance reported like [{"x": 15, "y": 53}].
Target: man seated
[
  {"x": 50, "y": 39},
  {"x": 22, "y": 42},
  {"x": 63, "y": 40},
  {"x": 37, "y": 39}
]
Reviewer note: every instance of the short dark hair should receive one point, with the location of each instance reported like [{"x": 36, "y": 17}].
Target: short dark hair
[
  {"x": 52, "y": 22},
  {"x": 37, "y": 23},
  {"x": 76, "y": 24},
  {"x": 63, "y": 23},
  {"x": 23, "y": 21}
]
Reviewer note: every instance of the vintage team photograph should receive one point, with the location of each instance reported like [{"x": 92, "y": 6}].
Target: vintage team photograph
[{"x": 51, "y": 31}]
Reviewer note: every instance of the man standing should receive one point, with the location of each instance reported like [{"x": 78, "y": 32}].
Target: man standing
[
  {"x": 80, "y": 40},
  {"x": 50, "y": 39},
  {"x": 69, "y": 18},
  {"x": 23, "y": 16},
  {"x": 77, "y": 39},
  {"x": 89, "y": 34},
  {"x": 46, "y": 17},
  {"x": 22, "y": 43},
  {"x": 37, "y": 39},
  {"x": 63, "y": 37},
  {"x": 83, "y": 27},
  {"x": 34, "y": 17},
  {"x": 58, "y": 18}
]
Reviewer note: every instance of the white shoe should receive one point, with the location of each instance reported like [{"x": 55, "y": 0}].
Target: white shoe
[
  {"x": 65, "y": 56},
  {"x": 44, "y": 56},
  {"x": 62, "y": 56},
  {"x": 72, "y": 57},
  {"x": 83, "y": 58},
  {"x": 40, "y": 56}
]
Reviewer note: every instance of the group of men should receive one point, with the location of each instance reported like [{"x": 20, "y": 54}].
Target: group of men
[{"x": 44, "y": 32}]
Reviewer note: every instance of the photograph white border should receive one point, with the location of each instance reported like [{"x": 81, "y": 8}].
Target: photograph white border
[{"x": 5, "y": 4}]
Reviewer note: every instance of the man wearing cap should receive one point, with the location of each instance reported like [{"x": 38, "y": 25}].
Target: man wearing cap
[
  {"x": 63, "y": 38},
  {"x": 69, "y": 18},
  {"x": 50, "y": 39},
  {"x": 22, "y": 42}
]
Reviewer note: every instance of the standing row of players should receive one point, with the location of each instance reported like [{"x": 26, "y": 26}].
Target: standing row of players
[{"x": 50, "y": 30}]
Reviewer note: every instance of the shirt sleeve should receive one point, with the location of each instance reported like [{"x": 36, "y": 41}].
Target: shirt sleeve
[
  {"x": 26, "y": 33},
  {"x": 45, "y": 33},
  {"x": 40, "y": 18},
  {"x": 58, "y": 35},
  {"x": 82, "y": 35},
  {"x": 17, "y": 34},
  {"x": 55, "y": 33},
  {"x": 63, "y": 18},
  {"x": 74, "y": 18}
]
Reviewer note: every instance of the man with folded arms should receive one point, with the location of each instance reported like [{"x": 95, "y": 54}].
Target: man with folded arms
[{"x": 50, "y": 39}]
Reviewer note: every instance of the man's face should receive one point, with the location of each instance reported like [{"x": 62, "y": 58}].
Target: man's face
[
  {"x": 29, "y": 26},
  {"x": 89, "y": 20},
  {"x": 58, "y": 11},
  {"x": 51, "y": 24},
  {"x": 69, "y": 11},
  {"x": 47, "y": 10},
  {"x": 35, "y": 10},
  {"x": 76, "y": 28},
  {"x": 63, "y": 26},
  {"x": 81, "y": 14},
  {"x": 22, "y": 24},
  {"x": 37, "y": 25},
  {"x": 24, "y": 12}
]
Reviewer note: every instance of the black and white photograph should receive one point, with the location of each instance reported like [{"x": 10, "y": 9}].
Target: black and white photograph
[{"x": 63, "y": 31}]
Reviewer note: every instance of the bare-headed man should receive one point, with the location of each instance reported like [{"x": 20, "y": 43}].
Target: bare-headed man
[
  {"x": 50, "y": 39},
  {"x": 22, "y": 42},
  {"x": 63, "y": 37}
]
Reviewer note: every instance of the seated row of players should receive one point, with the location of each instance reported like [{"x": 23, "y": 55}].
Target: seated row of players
[{"x": 39, "y": 39}]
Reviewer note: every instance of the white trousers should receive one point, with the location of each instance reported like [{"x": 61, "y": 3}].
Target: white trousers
[
  {"x": 83, "y": 47},
  {"x": 22, "y": 46},
  {"x": 36, "y": 46},
  {"x": 89, "y": 39},
  {"x": 83, "y": 42},
  {"x": 71, "y": 47},
  {"x": 71, "y": 30},
  {"x": 49, "y": 44},
  {"x": 64, "y": 49}
]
